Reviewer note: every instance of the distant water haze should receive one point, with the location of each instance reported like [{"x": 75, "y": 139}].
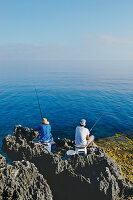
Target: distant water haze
[{"x": 68, "y": 91}]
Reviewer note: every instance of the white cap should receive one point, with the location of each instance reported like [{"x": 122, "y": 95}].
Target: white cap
[{"x": 83, "y": 122}]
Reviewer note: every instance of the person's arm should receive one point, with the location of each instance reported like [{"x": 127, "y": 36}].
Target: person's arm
[
  {"x": 34, "y": 129},
  {"x": 87, "y": 136},
  {"x": 50, "y": 130}
]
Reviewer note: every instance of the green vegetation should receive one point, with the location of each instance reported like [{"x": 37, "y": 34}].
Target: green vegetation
[{"x": 120, "y": 148}]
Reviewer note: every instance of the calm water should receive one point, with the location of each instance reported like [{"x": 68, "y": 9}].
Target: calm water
[{"x": 68, "y": 91}]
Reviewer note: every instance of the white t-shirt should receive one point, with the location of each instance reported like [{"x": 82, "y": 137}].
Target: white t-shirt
[{"x": 80, "y": 135}]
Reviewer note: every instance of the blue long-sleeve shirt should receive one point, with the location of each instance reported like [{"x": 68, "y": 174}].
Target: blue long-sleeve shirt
[{"x": 45, "y": 132}]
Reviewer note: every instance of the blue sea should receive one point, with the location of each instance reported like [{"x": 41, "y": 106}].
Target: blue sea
[{"x": 68, "y": 91}]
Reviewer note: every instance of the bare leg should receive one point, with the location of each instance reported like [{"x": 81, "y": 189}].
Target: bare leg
[
  {"x": 91, "y": 140},
  {"x": 91, "y": 143}
]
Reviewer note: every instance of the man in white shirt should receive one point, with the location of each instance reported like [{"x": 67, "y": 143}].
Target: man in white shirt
[{"x": 82, "y": 135}]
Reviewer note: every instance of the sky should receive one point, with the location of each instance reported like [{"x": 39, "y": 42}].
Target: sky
[{"x": 66, "y": 30}]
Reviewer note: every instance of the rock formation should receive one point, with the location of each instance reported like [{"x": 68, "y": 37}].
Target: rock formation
[
  {"x": 95, "y": 177},
  {"x": 2, "y": 161},
  {"x": 21, "y": 180}
]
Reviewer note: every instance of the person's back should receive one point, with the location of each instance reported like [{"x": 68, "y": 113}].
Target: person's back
[
  {"x": 80, "y": 135},
  {"x": 45, "y": 130}
]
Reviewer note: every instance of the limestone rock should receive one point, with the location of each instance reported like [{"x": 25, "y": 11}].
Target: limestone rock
[
  {"x": 96, "y": 177},
  {"x": 2, "y": 161},
  {"x": 21, "y": 180}
]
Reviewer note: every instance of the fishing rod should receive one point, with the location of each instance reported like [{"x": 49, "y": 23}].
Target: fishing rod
[
  {"x": 38, "y": 103},
  {"x": 97, "y": 121}
]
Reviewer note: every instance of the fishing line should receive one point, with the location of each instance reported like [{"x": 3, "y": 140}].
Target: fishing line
[
  {"x": 38, "y": 103},
  {"x": 97, "y": 121}
]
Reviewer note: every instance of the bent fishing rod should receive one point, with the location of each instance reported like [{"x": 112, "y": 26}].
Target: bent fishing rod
[
  {"x": 38, "y": 103},
  {"x": 97, "y": 121}
]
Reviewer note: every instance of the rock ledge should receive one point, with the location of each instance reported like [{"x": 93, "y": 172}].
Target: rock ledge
[{"x": 96, "y": 177}]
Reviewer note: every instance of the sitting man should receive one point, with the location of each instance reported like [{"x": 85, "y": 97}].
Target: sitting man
[
  {"x": 82, "y": 135},
  {"x": 45, "y": 131}
]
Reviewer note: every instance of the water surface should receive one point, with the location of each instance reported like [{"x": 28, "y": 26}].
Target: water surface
[{"x": 68, "y": 91}]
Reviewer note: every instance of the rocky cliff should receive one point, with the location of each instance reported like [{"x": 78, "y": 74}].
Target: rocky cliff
[
  {"x": 21, "y": 180},
  {"x": 2, "y": 161},
  {"x": 95, "y": 177}
]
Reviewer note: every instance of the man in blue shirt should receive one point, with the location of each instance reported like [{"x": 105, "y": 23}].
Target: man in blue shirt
[{"x": 45, "y": 131}]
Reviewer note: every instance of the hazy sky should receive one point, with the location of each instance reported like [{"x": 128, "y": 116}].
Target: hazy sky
[{"x": 66, "y": 30}]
